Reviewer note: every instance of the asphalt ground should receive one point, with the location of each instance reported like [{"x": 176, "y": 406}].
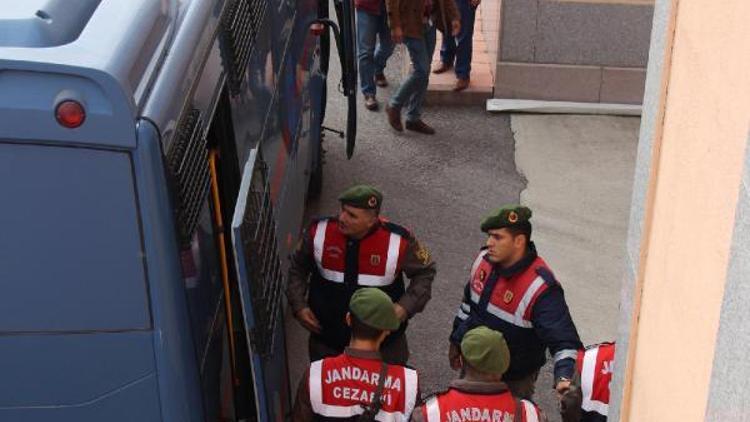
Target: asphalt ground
[
  {"x": 438, "y": 186},
  {"x": 579, "y": 171}
]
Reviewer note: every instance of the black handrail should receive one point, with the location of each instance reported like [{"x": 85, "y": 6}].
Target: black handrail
[{"x": 346, "y": 36}]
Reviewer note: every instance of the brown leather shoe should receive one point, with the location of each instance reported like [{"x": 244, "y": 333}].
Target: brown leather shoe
[
  {"x": 371, "y": 103},
  {"x": 444, "y": 67},
  {"x": 381, "y": 81},
  {"x": 461, "y": 84},
  {"x": 394, "y": 117},
  {"x": 420, "y": 127}
]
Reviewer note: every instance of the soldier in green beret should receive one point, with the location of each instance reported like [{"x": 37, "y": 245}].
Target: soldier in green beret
[
  {"x": 484, "y": 357},
  {"x": 358, "y": 248},
  {"x": 512, "y": 290},
  {"x": 357, "y": 384}
]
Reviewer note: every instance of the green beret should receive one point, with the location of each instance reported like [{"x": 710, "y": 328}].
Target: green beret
[
  {"x": 505, "y": 216},
  {"x": 362, "y": 196},
  {"x": 374, "y": 308},
  {"x": 486, "y": 350}
]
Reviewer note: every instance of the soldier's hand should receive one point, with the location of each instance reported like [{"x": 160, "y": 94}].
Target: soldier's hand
[
  {"x": 562, "y": 387},
  {"x": 397, "y": 35},
  {"x": 307, "y": 318},
  {"x": 454, "y": 357},
  {"x": 570, "y": 404},
  {"x": 400, "y": 312}
]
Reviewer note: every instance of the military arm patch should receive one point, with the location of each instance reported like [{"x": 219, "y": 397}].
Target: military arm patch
[{"x": 423, "y": 254}]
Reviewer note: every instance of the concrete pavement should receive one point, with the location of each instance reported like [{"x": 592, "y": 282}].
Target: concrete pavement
[
  {"x": 579, "y": 172},
  {"x": 438, "y": 186}
]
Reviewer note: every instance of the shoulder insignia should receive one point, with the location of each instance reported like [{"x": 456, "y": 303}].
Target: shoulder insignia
[
  {"x": 423, "y": 254},
  {"x": 398, "y": 229},
  {"x": 547, "y": 276}
]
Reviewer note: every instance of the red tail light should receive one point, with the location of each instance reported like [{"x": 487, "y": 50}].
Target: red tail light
[{"x": 70, "y": 113}]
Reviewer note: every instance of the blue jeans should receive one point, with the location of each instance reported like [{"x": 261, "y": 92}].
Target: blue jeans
[
  {"x": 372, "y": 59},
  {"x": 460, "y": 48},
  {"x": 412, "y": 91}
]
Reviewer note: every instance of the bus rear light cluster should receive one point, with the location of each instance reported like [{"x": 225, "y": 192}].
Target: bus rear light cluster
[{"x": 70, "y": 114}]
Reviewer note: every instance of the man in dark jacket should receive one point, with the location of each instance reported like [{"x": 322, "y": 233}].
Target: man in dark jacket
[
  {"x": 413, "y": 22},
  {"x": 339, "y": 255},
  {"x": 372, "y": 26},
  {"x": 512, "y": 290}
]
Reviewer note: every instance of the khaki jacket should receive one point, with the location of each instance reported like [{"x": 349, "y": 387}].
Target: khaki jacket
[
  {"x": 418, "y": 266},
  {"x": 409, "y": 15}
]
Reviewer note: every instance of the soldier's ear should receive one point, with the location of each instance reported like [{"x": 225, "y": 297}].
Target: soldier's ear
[{"x": 348, "y": 319}]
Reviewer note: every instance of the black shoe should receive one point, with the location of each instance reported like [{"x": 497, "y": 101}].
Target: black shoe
[
  {"x": 420, "y": 127},
  {"x": 371, "y": 103}
]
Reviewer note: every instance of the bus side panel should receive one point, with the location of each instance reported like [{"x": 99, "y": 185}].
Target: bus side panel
[
  {"x": 202, "y": 284},
  {"x": 176, "y": 361},
  {"x": 251, "y": 106},
  {"x": 282, "y": 21},
  {"x": 89, "y": 377},
  {"x": 300, "y": 121},
  {"x": 290, "y": 132}
]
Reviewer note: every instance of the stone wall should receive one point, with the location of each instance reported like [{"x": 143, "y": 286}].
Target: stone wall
[{"x": 587, "y": 50}]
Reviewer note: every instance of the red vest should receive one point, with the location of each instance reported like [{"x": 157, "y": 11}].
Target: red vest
[
  {"x": 380, "y": 254},
  {"x": 512, "y": 298},
  {"x": 340, "y": 386},
  {"x": 596, "y": 365},
  {"x": 459, "y": 406}
]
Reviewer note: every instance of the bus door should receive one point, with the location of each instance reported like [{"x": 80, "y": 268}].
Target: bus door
[{"x": 260, "y": 280}]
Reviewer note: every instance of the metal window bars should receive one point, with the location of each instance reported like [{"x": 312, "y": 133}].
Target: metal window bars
[
  {"x": 261, "y": 255},
  {"x": 187, "y": 161},
  {"x": 241, "y": 25}
]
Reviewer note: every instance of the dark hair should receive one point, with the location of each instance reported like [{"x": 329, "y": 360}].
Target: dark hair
[
  {"x": 523, "y": 228},
  {"x": 362, "y": 331}
]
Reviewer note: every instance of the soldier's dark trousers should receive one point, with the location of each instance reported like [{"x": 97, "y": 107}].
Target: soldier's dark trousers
[
  {"x": 395, "y": 352},
  {"x": 523, "y": 388}
]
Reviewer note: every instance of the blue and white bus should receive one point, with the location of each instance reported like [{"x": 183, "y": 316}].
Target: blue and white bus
[{"x": 155, "y": 159}]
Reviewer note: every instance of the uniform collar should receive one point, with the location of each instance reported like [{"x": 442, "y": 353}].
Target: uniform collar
[
  {"x": 362, "y": 354},
  {"x": 372, "y": 230},
  {"x": 521, "y": 265},
  {"x": 479, "y": 387}
]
